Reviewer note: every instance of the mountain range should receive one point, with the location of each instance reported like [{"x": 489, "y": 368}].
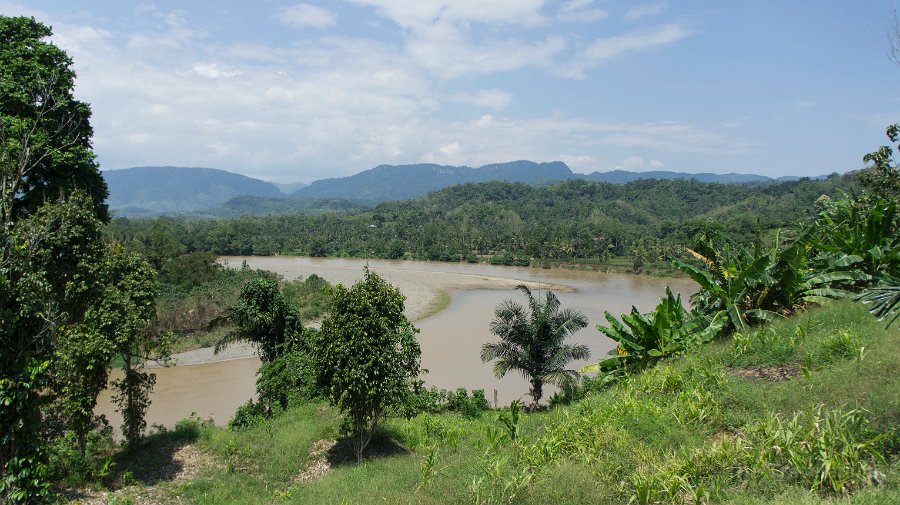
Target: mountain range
[{"x": 142, "y": 191}]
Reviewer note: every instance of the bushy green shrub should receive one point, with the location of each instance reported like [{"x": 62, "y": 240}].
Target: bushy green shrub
[
  {"x": 434, "y": 400},
  {"x": 284, "y": 382}
]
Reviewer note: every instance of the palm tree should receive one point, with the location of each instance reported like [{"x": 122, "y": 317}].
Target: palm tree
[{"x": 531, "y": 341}]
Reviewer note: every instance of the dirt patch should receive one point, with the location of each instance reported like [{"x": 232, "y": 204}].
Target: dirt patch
[
  {"x": 318, "y": 462},
  {"x": 767, "y": 373},
  {"x": 155, "y": 486}
]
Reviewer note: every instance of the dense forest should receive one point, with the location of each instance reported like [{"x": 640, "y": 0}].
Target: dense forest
[{"x": 507, "y": 223}]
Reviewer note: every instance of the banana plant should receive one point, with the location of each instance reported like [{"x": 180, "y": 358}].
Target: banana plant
[
  {"x": 646, "y": 338},
  {"x": 883, "y": 300},
  {"x": 789, "y": 280},
  {"x": 731, "y": 284},
  {"x": 864, "y": 229}
]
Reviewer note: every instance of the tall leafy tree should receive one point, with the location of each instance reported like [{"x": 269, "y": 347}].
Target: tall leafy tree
[
  {"x": 51, "y": 208},
  {"x": 45, "y": 133},
  {"x": 532, "y": 341},
  {"x": 122, "y": 315},
  {"x": 367, "y": 356},
  {"x": 48, "y": 271}
]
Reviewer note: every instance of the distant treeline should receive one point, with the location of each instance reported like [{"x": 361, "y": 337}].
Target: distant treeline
[{"x": 504, "y": 222}]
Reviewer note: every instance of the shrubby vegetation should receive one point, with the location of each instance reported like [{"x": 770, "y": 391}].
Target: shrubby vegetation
[
  {"x": 367, "y": 356},
  {"x": 692, "y": 429}
]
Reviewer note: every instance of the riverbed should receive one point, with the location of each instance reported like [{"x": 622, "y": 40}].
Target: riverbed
[{"x": 451, "y": 338}]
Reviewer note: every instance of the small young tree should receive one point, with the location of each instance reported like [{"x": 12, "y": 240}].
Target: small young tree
[
  {"x": 532, "y": 341},
  {"x": 123, "y": 315},
  {"x": 263, "y": 317},
  {"x": 367, "y": 356}
]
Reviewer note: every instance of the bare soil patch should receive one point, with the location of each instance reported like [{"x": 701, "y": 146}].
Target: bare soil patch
[
  {"x": 147, "y": 481},
  {"x": 768, "y": 373}
]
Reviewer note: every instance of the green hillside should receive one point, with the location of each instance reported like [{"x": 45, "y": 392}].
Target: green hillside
[
  {"x": 787, "y": 413},
  {"x": 512, "y": 223}
]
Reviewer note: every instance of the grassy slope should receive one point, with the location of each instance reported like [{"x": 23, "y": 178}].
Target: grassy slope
[{"x": 679, "y": 417}]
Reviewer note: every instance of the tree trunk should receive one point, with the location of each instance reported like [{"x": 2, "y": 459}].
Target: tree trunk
[{"x": 537, "y": 391}]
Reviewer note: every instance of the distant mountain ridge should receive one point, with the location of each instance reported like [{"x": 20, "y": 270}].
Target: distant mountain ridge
[
  {"x": 402, "y": 182},
  {"x": 624, "y": 177},
  {"x": 161, "y": 190},
  {"x": 145, "y": 191}
]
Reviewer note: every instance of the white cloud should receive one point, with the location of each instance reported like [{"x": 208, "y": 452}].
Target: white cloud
[
  {"x": 215, "y": 70},
  {"x": 605, "y": 49},
  {"x": 656, "y": 165},
  {"x": 332, "y": 106},
  {"x": 175, "y": 33},
  {"x": 646, "y": 10},
  {"x": 450, "y": 149},
  {"x": 441, "y": 36},
  {"x": 415, "y": 14},
  {"x": 303, "y": 15},
  {"x": 578, "y": 163},
  {"x": 633, "y": 163},
  {"x": 490, "y": 98},
  {"x": 581, "y": 11},
  {"x": 449, "y": 55}
]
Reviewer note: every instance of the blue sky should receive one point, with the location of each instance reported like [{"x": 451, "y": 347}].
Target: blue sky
[{"x": 290, "y": 91}]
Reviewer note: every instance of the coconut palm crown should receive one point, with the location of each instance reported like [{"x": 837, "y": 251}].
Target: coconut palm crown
[{"x": 532, "y": 341}]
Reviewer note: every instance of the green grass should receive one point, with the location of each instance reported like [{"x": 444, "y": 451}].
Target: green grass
[
  {"x": 440, "y": 302},
  {"x": 690, "y": 428}
]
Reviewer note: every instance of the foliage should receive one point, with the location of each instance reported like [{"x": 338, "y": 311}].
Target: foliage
[
  {"x": 469, "y": 405},
  {"x": 188, "y": 271},
  {"x": 860, "y": 233},
  {"x": 48, "y": 267},
  {"x": 262, "y": 316},
  {"x": 883, "y": 178},
  {"x": 532, "y": 341},
  {"x": 665, "y": 421},
  {"x": 883, "y": 299},
  {"x": 310, "y": 294},
  {"x": 572, "y": 221},
  {"x": 123, "y": 316},
  {"x": 45, "y": 133},
  {"x": 645, "y": 339},
  {"x": 367, "y": 356},
  {"x": 288, "y": 380},
  {"x": 773, "y": 280},
  {"x": 830, "y": 452}
]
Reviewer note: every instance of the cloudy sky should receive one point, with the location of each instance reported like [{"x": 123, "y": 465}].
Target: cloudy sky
[{"x": 289, "y": 91}]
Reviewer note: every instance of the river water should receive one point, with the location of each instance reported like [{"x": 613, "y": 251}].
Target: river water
[{"x": 451, "y": 339}]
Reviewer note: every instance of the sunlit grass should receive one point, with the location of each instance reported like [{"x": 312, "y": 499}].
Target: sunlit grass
[{"x": 688, "y": 426}]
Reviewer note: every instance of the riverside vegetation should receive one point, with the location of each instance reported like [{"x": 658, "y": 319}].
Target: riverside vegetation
[{"x": 754, "y": 395}]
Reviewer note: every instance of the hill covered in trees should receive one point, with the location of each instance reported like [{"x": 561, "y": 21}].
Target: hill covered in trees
[
  {"x": 159, "y": 190},
  {"x": 147, "y": 191},
  {"x": 508, "y": 222}
]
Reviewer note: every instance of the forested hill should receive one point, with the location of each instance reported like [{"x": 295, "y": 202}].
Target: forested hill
[
  {"x": 147, "y": 191},
  {"x": 509, "y": 222},
  {"x": 155, "y": 190},
  {"x": 624, "y": 176},
  {"x": 402, "y": 182}
]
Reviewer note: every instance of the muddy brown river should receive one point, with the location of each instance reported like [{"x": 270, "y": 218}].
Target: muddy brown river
[{"x": 451, "y": 339}]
